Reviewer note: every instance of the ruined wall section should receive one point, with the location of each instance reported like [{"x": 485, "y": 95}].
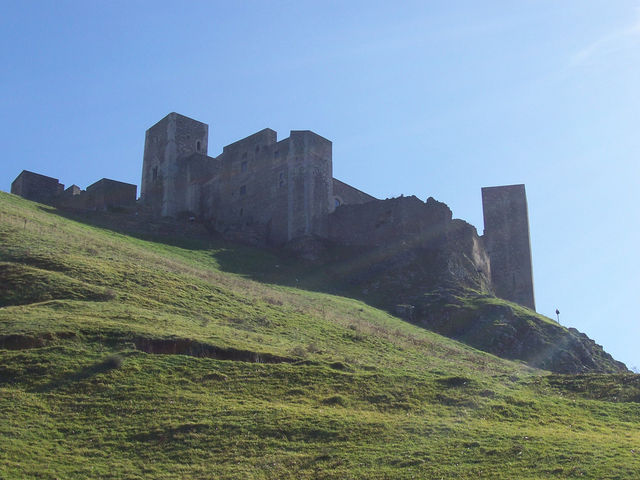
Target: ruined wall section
[
  {"x": 36, "y": 187},
  {"x": 506, "y": 238},
  {"x": 345, "y": 194},
  {"x": 272, "y": 191},
  {"x": 105, "y": 194},
  {"x": 243, "y": 196},
  {"x": 405, "y": 229},
  {"x": 257, "y": 187},
  {"x": 173, "y": 138},
  {"x": 193, "y": 172},
  {"x": 404, "y": 220}
]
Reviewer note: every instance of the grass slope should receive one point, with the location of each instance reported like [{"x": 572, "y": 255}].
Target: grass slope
[{"x": 123, "y": 358}]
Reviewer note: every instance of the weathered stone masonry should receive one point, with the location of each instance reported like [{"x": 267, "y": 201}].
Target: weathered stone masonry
[
  {"x": 258, "y": 187},
  {"x": 506, "y": 234},
  {"x": 101, "y": 195},
  {"x": 268, "y": 191}
]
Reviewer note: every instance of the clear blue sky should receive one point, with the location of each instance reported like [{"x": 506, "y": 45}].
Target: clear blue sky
[{"x": 436, "y": 98}]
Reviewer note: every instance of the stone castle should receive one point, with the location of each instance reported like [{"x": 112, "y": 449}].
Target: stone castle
[{"x": 264, "y": 191}]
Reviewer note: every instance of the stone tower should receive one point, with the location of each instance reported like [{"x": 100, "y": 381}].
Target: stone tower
[
  {"x": 173, "y": 138},
  {"x": 310, "y": 187},
  {"x": 506, "y": 237}
]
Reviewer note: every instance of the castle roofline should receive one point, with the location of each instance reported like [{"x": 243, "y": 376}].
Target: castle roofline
[
  {"x": 307, "y": 132},
  {"x": 174, "y": 115},
  {"x": 108, "y": 180},
  {"x": 266, "y": 134},
  {"x": 517, "y": 186},
  {"x": 29, "y": 172}
]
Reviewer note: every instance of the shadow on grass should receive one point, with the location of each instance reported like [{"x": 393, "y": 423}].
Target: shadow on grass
[
  {"x": 375, "y": 276},
  {"x": 110, "y": 363},
  {"x": 263, "y": 264},
  {"x": 444, "y": 299}
]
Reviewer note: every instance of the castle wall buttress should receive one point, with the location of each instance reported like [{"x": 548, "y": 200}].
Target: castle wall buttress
[{"x": 310, "y": 194}]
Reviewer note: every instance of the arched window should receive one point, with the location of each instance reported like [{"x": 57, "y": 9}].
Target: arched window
[{"x": 198, "y": 146}]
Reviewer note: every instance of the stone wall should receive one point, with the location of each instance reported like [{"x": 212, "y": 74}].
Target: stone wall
[
  {"x": 281, "y": 188},
  {"x": 347, "y": 195},
  {"x": 405, "y": 220},
  {"x": 36, "y": 187},
  {"x": 106, "y": 193},
  {"x": 173, "y": 138},
  {"x": 70, "y": 198},
  {"x": 276, "y": 190},
  {"x": 406, "y": 228},
  {"x": 250, "y": 188},
  {"x": 310, "y": 195},
  {"x": 506, "y": 237},
  {"x": 262, "y": 190}
]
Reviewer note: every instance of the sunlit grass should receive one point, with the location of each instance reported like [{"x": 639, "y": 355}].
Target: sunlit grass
[{"x": 359, "y": 394}]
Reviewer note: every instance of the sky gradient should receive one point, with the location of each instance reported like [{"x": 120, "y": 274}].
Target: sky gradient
[{"x": 435, "y": 98}]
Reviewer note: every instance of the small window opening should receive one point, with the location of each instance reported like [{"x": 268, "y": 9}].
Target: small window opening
[
  {"x": 281, "y": 179},
  {"x": 243, "y": 166},
  {"x": 337, "y": 200},
  {"x": 244, "y": 155},
  {"x": 257, "y": 148},
  {"x": 276, "y": 154},
  {"x": 243, "y": 190},
  {"x": 198, "y": 146},
  {"x": 155, "y": 173}
]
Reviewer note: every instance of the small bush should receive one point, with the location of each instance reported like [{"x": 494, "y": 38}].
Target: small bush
[
  {"x": 112, "y": 362},
  {"x": 298, "y": 351},
  {"x": 108, "y": 294},
  {"x": 339, "y": 366},
  {"x": 335, "y": 400}
]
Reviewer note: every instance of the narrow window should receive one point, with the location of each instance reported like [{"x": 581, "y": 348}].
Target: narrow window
[
  {"x": 257, "y": 148},
  {"x": 198, "y": 146},
  {"x": 244, "y": 155},
  {"x": 155, "y": 173},
  {"x": 243, "y": 166},
  {"x": 276, "y": 154},
  {"x": 243, "y": 190},
  {"x": 337, "y": 202},
  {"x": 281, "y": 179}
]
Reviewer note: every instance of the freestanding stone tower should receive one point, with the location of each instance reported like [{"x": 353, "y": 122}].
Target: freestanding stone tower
[{"x": 506, "y": 236}]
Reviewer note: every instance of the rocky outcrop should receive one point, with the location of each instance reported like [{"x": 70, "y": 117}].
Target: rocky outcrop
[
  {"x": 513, "y": 332},
  {"x": 412, "y": 259}
]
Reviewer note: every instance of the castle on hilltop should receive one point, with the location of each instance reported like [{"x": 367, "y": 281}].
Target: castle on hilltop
[{"x": 264, "y": 191}]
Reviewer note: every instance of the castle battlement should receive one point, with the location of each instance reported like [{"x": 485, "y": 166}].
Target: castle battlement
[{"x": 267, "y": 191}]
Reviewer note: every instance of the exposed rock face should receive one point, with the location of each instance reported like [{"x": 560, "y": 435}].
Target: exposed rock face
[
  {"x": 408, "y": 245},
  {"x": 510, "y": 331},
  {"x": 412, "y": 259}
]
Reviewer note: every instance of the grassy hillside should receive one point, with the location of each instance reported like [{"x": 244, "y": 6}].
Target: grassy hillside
[{"x": 126, "y": 358}]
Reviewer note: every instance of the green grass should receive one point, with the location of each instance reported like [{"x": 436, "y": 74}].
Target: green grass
[{"x": 342, "y": 390}]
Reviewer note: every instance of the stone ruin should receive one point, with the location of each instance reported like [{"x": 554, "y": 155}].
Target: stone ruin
[
  {"x": 266, "y": 191},
  {"x": 104, "y": 194}
]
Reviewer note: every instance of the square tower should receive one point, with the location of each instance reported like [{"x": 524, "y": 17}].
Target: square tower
[
  {"x": 173, "y": 138},
  {"x": 506, "y": 237}
]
